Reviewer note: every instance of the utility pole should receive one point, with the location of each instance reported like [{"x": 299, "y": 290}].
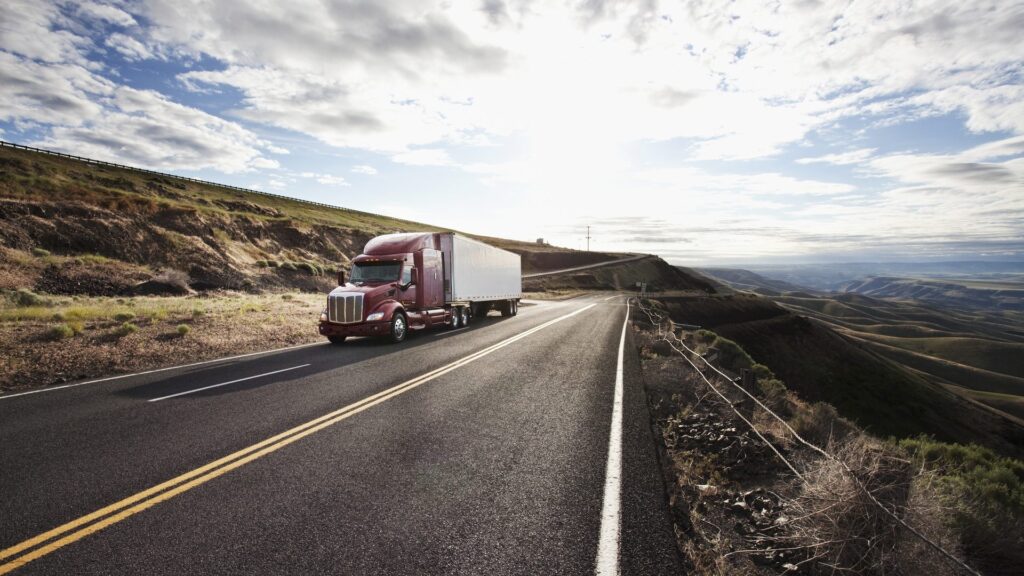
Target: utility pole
[{"x": 588, "y": 238}]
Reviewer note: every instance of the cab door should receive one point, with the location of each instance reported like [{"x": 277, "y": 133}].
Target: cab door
[{"x": 431, "y": 284}]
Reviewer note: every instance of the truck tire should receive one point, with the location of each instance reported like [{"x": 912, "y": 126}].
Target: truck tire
[
  {"x": 336, "y": 339},
  {"x": 515, "y": 307},
  {"x": 399, "y": 327},
  {"x": 465, "y": 316},
  {"x": 506, "y": 309},
  {"x": 456, "y": 322}
]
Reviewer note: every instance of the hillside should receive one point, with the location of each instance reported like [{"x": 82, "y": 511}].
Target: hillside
[
  {"x": 821, "y": 363},
  {"x": 745, "y": 280},
  {"x": 977, "y": 355},
  {"x": 73, "y": 227},
  {"x": 966, "y": 294}
]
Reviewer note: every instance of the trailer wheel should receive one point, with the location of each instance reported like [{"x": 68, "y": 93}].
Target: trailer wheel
[
  {"x": 506, "y": 309},
  {"x": 465, "y": 316},
  {"x": 456, "y": 321},
  {"x": 515, "y": 307},
  {"x": 336, "y": 339},
  {"x": 399, "y": 327}
]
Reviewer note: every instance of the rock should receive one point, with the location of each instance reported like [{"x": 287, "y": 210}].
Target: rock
[{"x": 160, "y": 288}]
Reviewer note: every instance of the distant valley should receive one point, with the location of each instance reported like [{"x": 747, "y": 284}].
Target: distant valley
[{"x": 963, "y": 331}]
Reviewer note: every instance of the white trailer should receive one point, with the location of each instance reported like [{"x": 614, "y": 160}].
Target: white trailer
[{"x": 475, "y": 272}]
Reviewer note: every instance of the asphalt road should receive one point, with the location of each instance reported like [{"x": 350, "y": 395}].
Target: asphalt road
[{"x": 477, "y": 451}]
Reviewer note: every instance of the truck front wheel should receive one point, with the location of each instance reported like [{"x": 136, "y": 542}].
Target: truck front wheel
[
  {"x": 399, "y": 327},
  {"x": 336, "y": 340}
]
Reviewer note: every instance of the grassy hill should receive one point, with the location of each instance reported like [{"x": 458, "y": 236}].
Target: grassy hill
[
  {"x": 821, "y": 362},
  {"x": 73, "y": 227}
]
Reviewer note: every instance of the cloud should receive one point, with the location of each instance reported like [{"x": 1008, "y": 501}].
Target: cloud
[
  {"x": 47, "y": 79},
  {"x": 841, "y": 159},
  {"x": 423, "y": 157},
  {"x": 364, "y": 169},
  {"x": 128, "y": 47}
]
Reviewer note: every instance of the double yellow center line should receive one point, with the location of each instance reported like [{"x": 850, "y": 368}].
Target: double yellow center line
[{"x": 90, "y": 523}]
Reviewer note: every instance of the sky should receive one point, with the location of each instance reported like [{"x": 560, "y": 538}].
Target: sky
[{"x": 707, "y": 132}]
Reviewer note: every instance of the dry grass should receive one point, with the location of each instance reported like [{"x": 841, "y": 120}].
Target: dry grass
[
  {"x": 841, "y": 530},
  {"x": 86, "y": 337}
]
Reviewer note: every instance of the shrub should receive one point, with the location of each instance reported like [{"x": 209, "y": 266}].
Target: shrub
[
  {"x": 837, "y": 523},
  {"x": 61, "y": 331},
  {"x": 76, "y": 327},
  {"x": 126, "y": 329},
  {"x": 197, "y": 312},
  {"x": 40, "y": 252},
  {"x": 288, "y": 266},
  {"x": 262, "y": 263},
  {"x": 27, "y": 298},
  {"x": 287, "y": 297},
  {"x": 183, "y": 329},
  {"x": 58, "y": 317},
  {"x": 731, "y": 355},
  {"x": 273, "y": 263},
  {"x": 821, "y": 424},
  {"x": 124, "y": 316},
  {"x": 773, "y": 394}
]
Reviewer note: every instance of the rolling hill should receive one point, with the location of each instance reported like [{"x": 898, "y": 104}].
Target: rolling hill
[
  {"x": 822, "y": 361},
  {"x": 74, "y": 227}
]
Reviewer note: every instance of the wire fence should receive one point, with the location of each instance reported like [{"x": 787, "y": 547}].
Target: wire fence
[
  {"x": 686, "y": 352},
  {"x": 5, "y": 144}
]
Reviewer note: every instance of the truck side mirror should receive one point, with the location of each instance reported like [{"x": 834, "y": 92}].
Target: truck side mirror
[
  {"x": 414, "y": 276},
  {"x": 341, "y": 277}
]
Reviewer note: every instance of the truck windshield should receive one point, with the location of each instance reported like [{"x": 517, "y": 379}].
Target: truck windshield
[{"x": 363, "y": 272}]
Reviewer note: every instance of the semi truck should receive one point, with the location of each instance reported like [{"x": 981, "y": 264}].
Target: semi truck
[{"x": 414, "y": 281}]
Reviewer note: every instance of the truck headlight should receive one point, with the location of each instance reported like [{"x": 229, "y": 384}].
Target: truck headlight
[
  {"x": 323, "y": 315},
  {"x": 375, "y": 316}
]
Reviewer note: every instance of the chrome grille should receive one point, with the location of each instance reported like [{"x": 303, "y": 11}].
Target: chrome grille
[{"x": 345, "y": 308}]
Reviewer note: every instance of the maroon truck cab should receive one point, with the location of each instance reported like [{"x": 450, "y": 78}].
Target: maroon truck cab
[{"x": 399, "y": 284}]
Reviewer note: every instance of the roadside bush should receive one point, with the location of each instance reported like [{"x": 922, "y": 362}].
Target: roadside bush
[
  {"x": 821, "y": 424},
  {"x": 288, "y": 266},
  {"x": 61, "y": 331},
  {"x": 731, "y": 355},
  {"x": 24, "y": 297},
  {"x": 773, "y": 394},
  {"x": 311, "y": 267},
  {"x": 124, "y": 316},
  {"x": 262, "y": 264},
  {"x": 183, "y": 329},
  {"x": 273, "y": 263},
  {"x": 197, "y": 312},
  {"x": 986, "y": 494},
  {"x": 58, "y": 317},
  {"x": 40, "y": 252},
  {"x": 287, "y": 297},
  {"x": 836, "y": 523},
  {"x": 126, "y": 329}
]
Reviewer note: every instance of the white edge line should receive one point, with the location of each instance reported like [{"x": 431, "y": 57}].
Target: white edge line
[
  {"x": 119, "y": 377},
  {"x": 611, "y": 507},
  {"x": 226, "y": 383}
]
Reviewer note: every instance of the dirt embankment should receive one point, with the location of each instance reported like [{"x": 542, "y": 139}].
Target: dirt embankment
[{"x": 137, "y": 238}]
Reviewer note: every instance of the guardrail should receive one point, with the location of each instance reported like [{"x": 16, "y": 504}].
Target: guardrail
[{"x": 5, "y": 144}]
